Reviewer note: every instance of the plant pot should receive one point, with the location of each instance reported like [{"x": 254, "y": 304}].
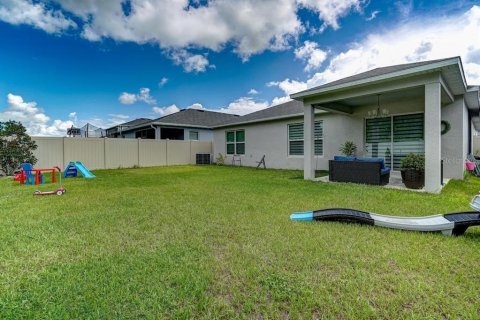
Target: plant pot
[
  {"x": 413, "y": 179},
  {"x": 470, "y": 165}
]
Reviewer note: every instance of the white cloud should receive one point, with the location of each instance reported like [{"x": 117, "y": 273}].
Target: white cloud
[
  {"x": 190, "y": 62},
  {"x": 252, "y": 92},
  {"x": 115, "y": 119},
  {"x": 311, "y": 54},
  {"x": 280, "y": 100},
  {"x": 197, "y": 106},
  {"x": 244, "y": 105},
  {"x": 373, "y": 15},
  {"x": 165, "y": 111},
  {"x": 330, "y": 11},
  {"x": 119, "y": 116},
  {"x": 413, "y": 40},
  {"x": 127, "y": 98},
  {"x": 162, "y": 82},
  {"x": 72, "y": 116},
  {"x": 240, "y": 106},
  {"x": 288, "y": 86},
  {"x": 251, "y": 26},
  {"x": 35, "y": 14},
  {"x": 33, "y": 118},
  {"x": 142, "y": 95}
]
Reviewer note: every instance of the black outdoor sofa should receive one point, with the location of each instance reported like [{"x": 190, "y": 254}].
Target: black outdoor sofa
[{"x": 359, "y": 170}]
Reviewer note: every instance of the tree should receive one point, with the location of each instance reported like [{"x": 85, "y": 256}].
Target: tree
[{"x": 16, "y": 147}]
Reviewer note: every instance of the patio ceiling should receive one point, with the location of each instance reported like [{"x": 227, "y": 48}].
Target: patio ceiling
[{"x": 347, "y": 106}]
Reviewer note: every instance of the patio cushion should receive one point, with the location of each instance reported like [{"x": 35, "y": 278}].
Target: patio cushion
[
  {"x": 385, "y": 170},
  {"x": 366, "y": 159},
  {"x": 343, "y": 158}
]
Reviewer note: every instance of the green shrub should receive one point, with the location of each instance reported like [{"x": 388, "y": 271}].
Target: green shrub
[
  {"x": 16, "y": 147},
  {"x": 349, "y": 148},
  {"x": 220, "y": 160},
  {"x": 413, "y": 161}
]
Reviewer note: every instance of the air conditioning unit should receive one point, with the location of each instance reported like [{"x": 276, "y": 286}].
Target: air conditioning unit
[{"x": 203, "y": 158}]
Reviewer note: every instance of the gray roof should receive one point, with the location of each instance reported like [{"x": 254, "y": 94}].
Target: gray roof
[
  {"x": 195, "y": 118},
  {"x": 373, "y": 73},
  {"x": 136, "y": 122},
  {"x": 132, "y": 123},
  {"x": 284, "y": 110},
  {"x": 294, "y": 107}
]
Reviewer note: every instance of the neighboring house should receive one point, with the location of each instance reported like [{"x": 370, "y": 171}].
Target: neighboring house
[
  {"x": 388, "y": 112},
  {"x": 187, "y": 124},
  {"x": 118, "y": 130}
]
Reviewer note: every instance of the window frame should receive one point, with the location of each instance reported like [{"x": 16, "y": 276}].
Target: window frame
[
  {"x": 235, "y": 143},
  {"x": 190, "y": 135},
  {"x": 316, "y": 138},
  {"x": 296, "y": 140}
]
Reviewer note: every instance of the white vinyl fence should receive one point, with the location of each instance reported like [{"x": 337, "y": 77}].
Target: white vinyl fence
[{"x": 104, "y": 153}]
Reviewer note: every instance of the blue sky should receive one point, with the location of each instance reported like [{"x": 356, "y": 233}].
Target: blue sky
[{"x": 65, "y": 62}]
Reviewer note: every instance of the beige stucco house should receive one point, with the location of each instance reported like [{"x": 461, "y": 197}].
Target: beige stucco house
[{"x": 388, "y": 112}]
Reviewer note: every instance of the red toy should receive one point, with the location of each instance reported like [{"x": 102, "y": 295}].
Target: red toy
[
  {"x": 60, "y": 191},
  {"x": 20, "y": 177}
]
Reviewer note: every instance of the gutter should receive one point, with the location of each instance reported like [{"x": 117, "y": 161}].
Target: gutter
[
  {"x": 293, "y": 115},
  {"x": 146, "y": 125},
  {"x": 181, "y": 125}
]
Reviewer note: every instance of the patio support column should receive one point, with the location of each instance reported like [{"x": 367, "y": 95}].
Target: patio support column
[
  {"x": 308, "y": 142},
  {"x": 433, "y": 140}
]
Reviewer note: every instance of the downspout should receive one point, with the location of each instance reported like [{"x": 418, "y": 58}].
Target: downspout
[{"x": 157, "y": 136}]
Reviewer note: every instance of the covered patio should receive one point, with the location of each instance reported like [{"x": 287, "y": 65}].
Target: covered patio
[{"x": 390, "y": 112}]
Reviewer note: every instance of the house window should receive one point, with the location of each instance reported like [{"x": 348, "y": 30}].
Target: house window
[
  {"x": 193, "y": 135},
  {"x": 295, "y": 138},
  {"x": 235, "y": 142},
  {"x": 392, "y": 138}
]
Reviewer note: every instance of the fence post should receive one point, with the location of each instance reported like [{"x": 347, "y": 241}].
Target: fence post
[
  {"x": 104, "y": 153},
  {"x": 63, "y": 153},
  {"x": 138, "y": 152}
]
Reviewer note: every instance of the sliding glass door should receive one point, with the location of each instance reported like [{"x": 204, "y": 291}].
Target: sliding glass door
[
  {"x": 394, "y": 137},
  {"x": 378, "y": 133}
]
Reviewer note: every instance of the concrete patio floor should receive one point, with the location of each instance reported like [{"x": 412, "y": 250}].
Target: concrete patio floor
[{"x": 394, "y": 183}]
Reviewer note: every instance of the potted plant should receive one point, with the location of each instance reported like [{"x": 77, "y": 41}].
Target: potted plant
[
  {"x": 349, "y": 148},
  {"x": 413, "y": 171}
]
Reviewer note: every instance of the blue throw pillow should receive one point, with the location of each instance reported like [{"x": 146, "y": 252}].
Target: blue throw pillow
[{"x": 343, "y": 158}]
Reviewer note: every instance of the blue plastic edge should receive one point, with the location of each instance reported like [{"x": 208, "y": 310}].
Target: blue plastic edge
[{"x": 302, "y": 216}]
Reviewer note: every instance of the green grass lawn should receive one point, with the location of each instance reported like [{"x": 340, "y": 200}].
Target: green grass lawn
[{"x": 216, "y": 242}]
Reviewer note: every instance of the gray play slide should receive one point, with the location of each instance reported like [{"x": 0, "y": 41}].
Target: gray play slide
[{"x": 448, "y": 224}]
